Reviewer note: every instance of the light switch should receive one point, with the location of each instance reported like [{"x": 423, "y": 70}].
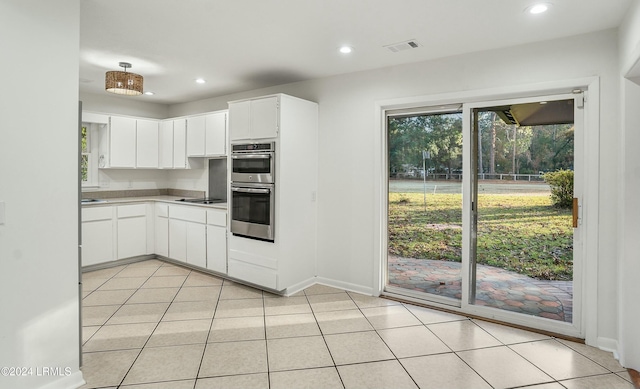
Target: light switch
[{"x": 2, "y": 213}]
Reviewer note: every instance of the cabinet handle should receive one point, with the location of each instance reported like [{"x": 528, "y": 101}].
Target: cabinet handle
[{"x": 575, "y": 212}]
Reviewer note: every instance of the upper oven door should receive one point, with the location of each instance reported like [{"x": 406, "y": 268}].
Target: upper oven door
[{"x": 255, "y": 167}]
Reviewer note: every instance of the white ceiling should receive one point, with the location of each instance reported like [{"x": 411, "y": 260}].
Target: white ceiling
[{"x": 240, "y": 45}]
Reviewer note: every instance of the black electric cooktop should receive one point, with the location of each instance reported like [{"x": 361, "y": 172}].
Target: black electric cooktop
[{"x": 205, "y": 200}]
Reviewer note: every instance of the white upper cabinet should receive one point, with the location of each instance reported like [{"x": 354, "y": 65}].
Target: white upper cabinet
[
  {"x": 254, "y": 119},
  {"x": 196, "y": 135},
  {"x": 264, "y": 118},
  {"x": 147, "y": 144},
  {"x": 207, "y": 135},
  {"x": 122, "y": 142},
  {"x": 173, "y": 144},
  {"x": 240, "y": 120},
  {"x": 180, "y": 144},
  {"x": 166, "y": 144},
  {"x": 216, "y": 134},
  {"x": 129, "y": 143}
]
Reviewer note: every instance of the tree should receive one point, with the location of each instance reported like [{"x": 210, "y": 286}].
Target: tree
[{"x": 439, "y": 134}]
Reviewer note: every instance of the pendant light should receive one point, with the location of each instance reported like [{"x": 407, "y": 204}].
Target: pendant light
[{"x": 123, "y": 83}]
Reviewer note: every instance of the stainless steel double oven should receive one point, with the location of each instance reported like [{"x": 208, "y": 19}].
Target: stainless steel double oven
[{"x": 253, "y": 190}]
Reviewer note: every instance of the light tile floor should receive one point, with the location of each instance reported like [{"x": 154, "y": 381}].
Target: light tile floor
[{"x": 156, "y": 325}]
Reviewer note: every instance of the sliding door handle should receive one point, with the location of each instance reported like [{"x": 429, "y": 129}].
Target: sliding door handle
[{"x": 575, "y": 212}]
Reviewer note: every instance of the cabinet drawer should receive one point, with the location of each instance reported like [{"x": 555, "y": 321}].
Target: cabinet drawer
[
  {"x": 162, "y": 210},
  {"x": 254, "y": 274},
  {"x": 217, "y": 218},
  {"x": 132, "y": 210},
  {"x": 192, "y": 214},
  {"x": 96, "y": 213}
]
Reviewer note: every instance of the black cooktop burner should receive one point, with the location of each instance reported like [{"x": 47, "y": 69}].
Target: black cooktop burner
[{"x": 205, "y": 200}]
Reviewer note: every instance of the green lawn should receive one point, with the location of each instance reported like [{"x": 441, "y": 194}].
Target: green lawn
[{"x": 523, "y": 233}]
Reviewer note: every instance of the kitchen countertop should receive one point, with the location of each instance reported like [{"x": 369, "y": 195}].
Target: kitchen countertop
[{"x": 145, "y": 199}]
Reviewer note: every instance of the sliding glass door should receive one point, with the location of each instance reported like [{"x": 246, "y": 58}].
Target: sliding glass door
[
  {"x": 425, "y": 203},
  {"x": 484, "y": 209}
]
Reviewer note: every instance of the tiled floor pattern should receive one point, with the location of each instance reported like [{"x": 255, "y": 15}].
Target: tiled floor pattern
[
  {"x": 156, "y": 325},
  {"x": 496, "y": 287}
]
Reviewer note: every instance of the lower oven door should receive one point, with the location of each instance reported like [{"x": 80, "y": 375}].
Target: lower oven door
[{"x": 253, "y": 211}]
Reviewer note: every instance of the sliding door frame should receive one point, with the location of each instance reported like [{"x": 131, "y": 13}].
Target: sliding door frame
[{"x": 589, "y": 276}]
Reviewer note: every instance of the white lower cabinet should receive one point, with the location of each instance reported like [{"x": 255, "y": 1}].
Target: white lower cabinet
[
  {"x": 217, "y": 240},
  {"x": 178, "y": 240},
  {"x": 197, "y": 244},
  {"x": 161, "y": 240},
  {"x": 191, "y": 234},
  {"x": 252, "y": 273},
  {"x": 97, "y": 235},
  {"x": 188, "y": 235},
  {"x": 132, "y": 230}
]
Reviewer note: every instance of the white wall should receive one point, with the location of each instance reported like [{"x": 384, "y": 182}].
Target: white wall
[
  {"x": 123, "y": 105},
  {"x": 191, "y": 179},
  {"x": 123, "y": 179},
  {"x": 629, "y": 42},
  {"x": 630, "y": 220},
  {"x": 629, "y": 209},
  {"x": 39, "y": 183},
  {"x": 347, "y": 171}
]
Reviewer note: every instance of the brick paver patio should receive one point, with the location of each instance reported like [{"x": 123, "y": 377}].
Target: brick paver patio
[{"x": 496, "y": 287}]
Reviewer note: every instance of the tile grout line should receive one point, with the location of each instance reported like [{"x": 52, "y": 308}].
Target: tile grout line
[
  {"x": 266, "y": 341},
  {"x": 383, "y": 341},
  {"x": 154, "y": 329},
  {"x": 313, "y": 312},
  {"x": 109, "y": 318},
  {"x": 206, "y": 341}
]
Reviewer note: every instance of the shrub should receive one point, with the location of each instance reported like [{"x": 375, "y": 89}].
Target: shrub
[{"x": 561, "y": 183}]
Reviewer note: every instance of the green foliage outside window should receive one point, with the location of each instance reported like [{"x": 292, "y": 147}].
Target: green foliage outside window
[
  {"x": 561, "y": 183},
  {"x": 84, "y": 158}
]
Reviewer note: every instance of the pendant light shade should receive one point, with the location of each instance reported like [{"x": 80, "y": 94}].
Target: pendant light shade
[{"x": 123, "y": 83}]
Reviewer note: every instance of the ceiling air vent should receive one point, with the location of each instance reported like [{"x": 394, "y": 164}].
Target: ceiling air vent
[{"x": 396, "y": 47}]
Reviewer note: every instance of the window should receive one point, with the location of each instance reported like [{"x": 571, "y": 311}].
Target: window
[
  {"x": 89, "y": 154},
  {"x": 85, "y": 155}
]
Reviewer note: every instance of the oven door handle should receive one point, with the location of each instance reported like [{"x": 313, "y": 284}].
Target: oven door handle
[
  {"x": 251, "y": 190},
  {"x": 251, "y": 156}
]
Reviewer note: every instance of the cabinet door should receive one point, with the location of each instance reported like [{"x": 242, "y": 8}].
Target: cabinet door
[
  {"x": 239, "y": 120},
  {"x": 197, "y": 244},
  {"x": 122, "y": 142},
  {"x": 178, "y": 240},
  {"x": 264, "y": 118},
  {"x": 162, "y": 236},
  {"x": 195, "y": 135},
  {"x": 180, "y": 143},
  {"x": 132, "y": 237},
  {"x": 166, "y": 144},
  {"x": 147, "y": 144},
  {"x": 217, "y": 249},
  {"x": 97, "y": 242},
  {"x": 216, "y": 134}
]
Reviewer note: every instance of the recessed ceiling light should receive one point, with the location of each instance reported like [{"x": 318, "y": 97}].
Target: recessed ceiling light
[
  {"x": 200, "y": 80},
  {"x": 538, "y": 8},
  {"x": 346, "y": 49},
  {"x": 149, "y": 93}
]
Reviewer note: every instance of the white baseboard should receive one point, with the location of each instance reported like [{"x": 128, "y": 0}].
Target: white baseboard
[
  {"x": 72, "y": 381},
  {"x": 609, "y": 344},
  {"x": 300, "y": 286},
  {"x": 345, "y": 285}
]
